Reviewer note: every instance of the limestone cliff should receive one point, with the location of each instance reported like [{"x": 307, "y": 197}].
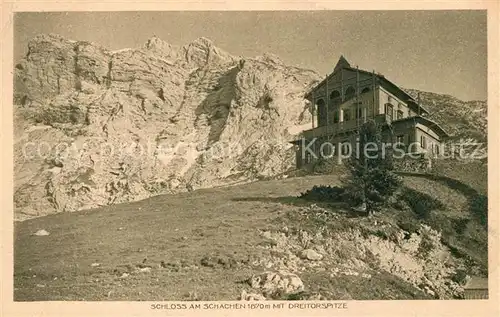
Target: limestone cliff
[{"x": 96, "y": 127}]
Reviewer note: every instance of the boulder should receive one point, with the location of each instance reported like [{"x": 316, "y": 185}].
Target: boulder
[
  {"x": 41, "y": 232},
  {"x": 311, "y": 255},
  {"x": 272, "y": 282},
  {"x": 251, "y": 296}
]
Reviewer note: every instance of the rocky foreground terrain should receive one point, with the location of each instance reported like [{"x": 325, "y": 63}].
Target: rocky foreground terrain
[
  {"x": 95, "y": 127},
  {"x": 255, "y": 241}
]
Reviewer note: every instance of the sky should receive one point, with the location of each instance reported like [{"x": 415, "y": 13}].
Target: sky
[{"x": 438, "y": 51}]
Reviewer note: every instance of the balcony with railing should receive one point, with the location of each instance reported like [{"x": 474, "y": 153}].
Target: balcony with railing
[{"x": 342, "y": 127}]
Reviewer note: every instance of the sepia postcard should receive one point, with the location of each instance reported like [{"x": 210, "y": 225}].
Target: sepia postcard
[{"x": 289, "y": 158}]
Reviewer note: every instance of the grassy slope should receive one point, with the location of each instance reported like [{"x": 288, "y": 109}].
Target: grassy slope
[
  {"x": 172, "y": 228},
  {"x": 463, "y": 188},
  {"x": 222, "y": 223}
]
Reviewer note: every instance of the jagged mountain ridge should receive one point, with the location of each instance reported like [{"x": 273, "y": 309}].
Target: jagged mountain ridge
[
  {"x": 95, "y": 127},
  {"x": 462, "y": 119},
  {"x": 125, "y": 125}
]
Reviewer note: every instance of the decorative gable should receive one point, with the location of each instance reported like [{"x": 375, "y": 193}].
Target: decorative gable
[{"x": 342, "y": 63}]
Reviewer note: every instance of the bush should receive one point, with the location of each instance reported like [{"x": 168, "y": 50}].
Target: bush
[
  {"x": 399, "y": 205},
  {"x": 324, "y": 166},
  {"x": 324, "y": 194},
  {"x": 409, "y": 226},
  {"x": 479, "y": 208},
  {"x": 425, "y": 247},
  {"x": 460, "y": 225},
  {"x": 420, "y": 203},
  {"x": 460, "y": 277},
  {"x": 381, "y": 234}
]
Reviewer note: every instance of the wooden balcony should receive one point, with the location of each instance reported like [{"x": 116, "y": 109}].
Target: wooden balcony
[{"x": 340, "y": 127}]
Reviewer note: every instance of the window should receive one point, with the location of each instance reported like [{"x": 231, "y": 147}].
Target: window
[
  {"x": 336, "y": 116},
  {"x": 400, "y": 140},
  {"x": 335, "y": 97},
  {"x": 321, "y": 112},
  {"x": 389, "y": 109},
  {"x": 345, "y": 148},
  {"x": 359, "y": 112},
  {"x": 436, "y": 151},
  {"x": 423, "y": 142},
  {"x": 347, "y": 115},
  {"x": 350, "y": 92},
  {"x": 327, "y": 149},
  {"x": 331, "y": 107},
  {"x": 400, "y": 114},
  {"x": 308, "y": 158}
]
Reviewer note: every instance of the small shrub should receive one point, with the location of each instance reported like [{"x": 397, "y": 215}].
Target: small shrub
[
  {"x": 324, "y": 166},
  {"x": 474, "y": 232},
  {"x": 460, "y": 225},
  {"x": 409, "y": 226},
  {"x": 425, "y": 247},
  {"x": 324, "y": 194},
  {"x": 381, "y": 234},
  {"x": 399, "y": 205},
  {"x": 371, "y": 259},
  {"x": 479, "y": 208},
  {"x": 294, "y": 296},
  {"x": 460, "y": 277},
  {"x": 420, "y": 203}
]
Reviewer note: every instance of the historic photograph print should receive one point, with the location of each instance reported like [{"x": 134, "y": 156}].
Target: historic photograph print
[{"x": 240, "y": 156}]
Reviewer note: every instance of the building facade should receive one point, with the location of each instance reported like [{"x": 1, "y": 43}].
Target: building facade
[
  {"x": 349, "y": 97},
  {"x": 476, "y": 288}
]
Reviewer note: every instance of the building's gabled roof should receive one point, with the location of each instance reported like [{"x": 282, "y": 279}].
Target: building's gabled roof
[
  {"x": 386, "y": 83},
  {"x": 426, "y": 122},
  {"x": 342, "y": 63}
]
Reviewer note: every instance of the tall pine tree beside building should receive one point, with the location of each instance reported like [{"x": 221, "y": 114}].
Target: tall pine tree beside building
[{"x": 371, "y": 179}]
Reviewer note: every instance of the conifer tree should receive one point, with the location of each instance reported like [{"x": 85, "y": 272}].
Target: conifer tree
[{"x": 371, "y": 178}]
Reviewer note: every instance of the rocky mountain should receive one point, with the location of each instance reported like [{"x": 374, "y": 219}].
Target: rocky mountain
[
  {"x": 462, "y": 119},
  {"x": 95, "y": 127}
]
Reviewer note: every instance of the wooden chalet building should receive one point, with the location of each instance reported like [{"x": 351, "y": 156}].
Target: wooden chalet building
[{"x": 348, "y": 97}]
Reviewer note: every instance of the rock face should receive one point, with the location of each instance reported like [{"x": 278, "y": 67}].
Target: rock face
[
  {"x": 464, "y": 120},
  {"x": 417, "y": 258},
  {"x": 95, "y": 127}
]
